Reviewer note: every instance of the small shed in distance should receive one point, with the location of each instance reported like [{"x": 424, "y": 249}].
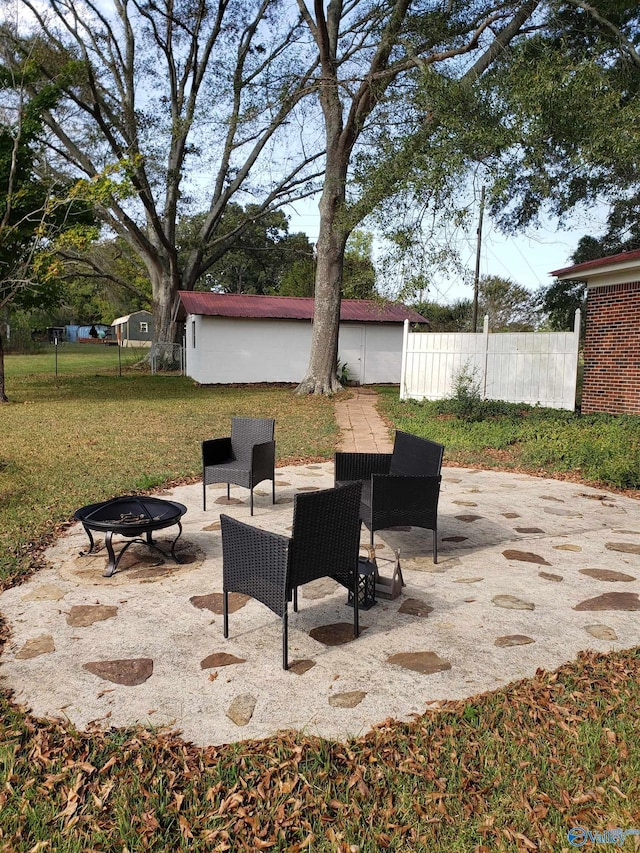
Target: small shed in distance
[
  {"x": 611, "y": 381},
  {"x": 247, "y": 338},
  {"x": 134, "y": 330}
]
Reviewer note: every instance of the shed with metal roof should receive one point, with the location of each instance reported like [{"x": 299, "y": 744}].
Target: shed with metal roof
[
  {"x": 246, "y": 338},
  {"x": 134, "y": 330}
]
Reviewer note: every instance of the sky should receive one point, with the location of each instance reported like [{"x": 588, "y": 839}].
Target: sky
[{"x": 526, "y": 259}]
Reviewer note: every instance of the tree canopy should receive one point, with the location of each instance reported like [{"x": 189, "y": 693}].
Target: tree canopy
[
  {"x": 169, "y": 108},
  {"x": 36, "y": 213}
]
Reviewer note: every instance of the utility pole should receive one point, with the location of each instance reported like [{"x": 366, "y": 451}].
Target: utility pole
[{"x": 476, "y": 278}]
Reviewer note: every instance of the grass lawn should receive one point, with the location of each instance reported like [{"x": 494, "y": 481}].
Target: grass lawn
[{"x": 511, "y": 770}]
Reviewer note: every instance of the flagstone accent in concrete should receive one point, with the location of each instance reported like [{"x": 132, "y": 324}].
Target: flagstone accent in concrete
[
  {"x": 426, "y": 663},
  {"x": 127, "y": 672},
  {"x": 524, "y": 557},
  {"x": 601, "y": 632},
  {"x": 512, "y": 602},
  {"x": 220, "y": 659},
  {"x": 241, "y": 709},
  {"x": 83, "y": 615},
  {"x": 513, "y": 640},
  {"x": 42, "y": 645},
  {"x": 350, "y": 699},
  {"x": 611, "y": 601},
  {"x": 213, "y": 601},
  {"x": 608, "y": 575}
]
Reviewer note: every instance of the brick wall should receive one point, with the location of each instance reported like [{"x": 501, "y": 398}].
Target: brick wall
[{"x": 612, "y": 350}]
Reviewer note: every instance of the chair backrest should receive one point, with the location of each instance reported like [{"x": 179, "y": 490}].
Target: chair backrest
[
  {"x": 245, "y": 432},
  {"x": 325, "y": 539},
  {"x": 415, "y": 456}
]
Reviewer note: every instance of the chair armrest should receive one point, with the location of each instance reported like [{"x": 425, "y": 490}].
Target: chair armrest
[
  {"x": 360, "y": 466},
  {"x": 216, "y": 450},
  {"x": 263, "y": 460},
  {"x": 255, "y": 562},
  {"x": 400, "y": 491}
]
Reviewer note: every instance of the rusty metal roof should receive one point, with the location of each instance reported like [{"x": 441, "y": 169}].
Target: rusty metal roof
[
  {"x": 290, "y": 308},
  {"x": 589, "y": 266}
]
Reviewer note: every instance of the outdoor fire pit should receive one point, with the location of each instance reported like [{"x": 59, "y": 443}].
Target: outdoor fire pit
[{"x": 133, "y": 517}]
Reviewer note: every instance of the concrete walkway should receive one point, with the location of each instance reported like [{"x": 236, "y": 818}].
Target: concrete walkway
[{"x": 362, "y": 429}]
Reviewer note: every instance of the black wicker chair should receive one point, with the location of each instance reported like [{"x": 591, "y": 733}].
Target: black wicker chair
[
  {"x": 399, "y": 488},
  {"x": 324, "y": 542},
  {"x": 245, "y": 458}
]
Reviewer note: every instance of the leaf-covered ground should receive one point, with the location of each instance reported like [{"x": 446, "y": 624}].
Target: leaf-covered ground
[{"x": 511, "y": 770}]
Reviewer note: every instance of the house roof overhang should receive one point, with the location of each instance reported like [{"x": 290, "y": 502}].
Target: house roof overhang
[
  {"x": 615, "y": 269},
  {"x": 249, "y": 306}
]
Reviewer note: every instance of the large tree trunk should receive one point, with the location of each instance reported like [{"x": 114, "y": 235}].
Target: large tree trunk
[
  {"x": 165, "y": 283},
  {"x": 321, "y": 375}
]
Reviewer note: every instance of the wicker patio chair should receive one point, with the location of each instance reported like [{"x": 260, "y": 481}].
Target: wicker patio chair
[
  {"x": 245, "y": 458},
  {"x": 324, "y": 542},
  {"x": 399, "y": 488}
]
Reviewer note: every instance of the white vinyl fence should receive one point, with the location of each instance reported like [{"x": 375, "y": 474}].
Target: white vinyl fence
[{"x": 518, "y": 367}]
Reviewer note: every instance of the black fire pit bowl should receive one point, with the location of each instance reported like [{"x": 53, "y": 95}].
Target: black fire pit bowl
[{"x": 133, "y": 517}]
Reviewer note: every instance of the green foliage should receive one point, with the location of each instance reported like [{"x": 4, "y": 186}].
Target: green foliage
[
  {"x": 34, "y": 212},
  {"x": 455, "y": 317},
  {"x": 359, "y": 275},
  {"x": 570, "y": 98},
  {"x": 342, "y": 372},
  {"x": 599, "y": 448},
  {"x": 467, "y": 394},
  {"x": 559, "y": 303},
  {"x": 509, "y": 306}
]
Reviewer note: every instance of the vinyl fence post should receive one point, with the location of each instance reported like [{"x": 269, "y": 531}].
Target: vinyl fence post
[
  {"x": 403, "y": 365},
  {"x": 485, "y": 341}
]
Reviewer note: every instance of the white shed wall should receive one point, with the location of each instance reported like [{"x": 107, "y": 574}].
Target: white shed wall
[{"x": 224, "y": 350}]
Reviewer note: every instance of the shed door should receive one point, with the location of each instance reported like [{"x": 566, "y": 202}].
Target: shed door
[{"x": 351, "y": 348}]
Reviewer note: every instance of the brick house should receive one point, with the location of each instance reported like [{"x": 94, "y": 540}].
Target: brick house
[{"x": 611, "y": 380}]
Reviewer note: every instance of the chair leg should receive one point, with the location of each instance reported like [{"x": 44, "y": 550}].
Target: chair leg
[
  {"x": 204, "y": 495},
  {"x": 435, "y": 545},
  {"x": 273, "y": 491},
  {"x": 228, "y": 491},
  {"x": 225, "y": 614},
  {"x": 356, "y": 609},
  {"x": 295, "y": 599},
  {"x": 251, "y": 500},
  {"x": 285, "y": 639}
]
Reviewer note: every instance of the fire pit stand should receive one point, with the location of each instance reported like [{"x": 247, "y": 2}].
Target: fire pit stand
[{"x": 133, "y": 517}]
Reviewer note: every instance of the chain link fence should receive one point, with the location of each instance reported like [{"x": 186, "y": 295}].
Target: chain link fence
[{"x": 166, "y": 358}]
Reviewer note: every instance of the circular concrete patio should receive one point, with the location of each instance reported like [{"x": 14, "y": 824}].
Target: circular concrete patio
[{"x": 531, "y": 571}]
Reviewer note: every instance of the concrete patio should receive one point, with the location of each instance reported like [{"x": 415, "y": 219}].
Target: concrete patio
[{"x": 531, "y": 571}]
